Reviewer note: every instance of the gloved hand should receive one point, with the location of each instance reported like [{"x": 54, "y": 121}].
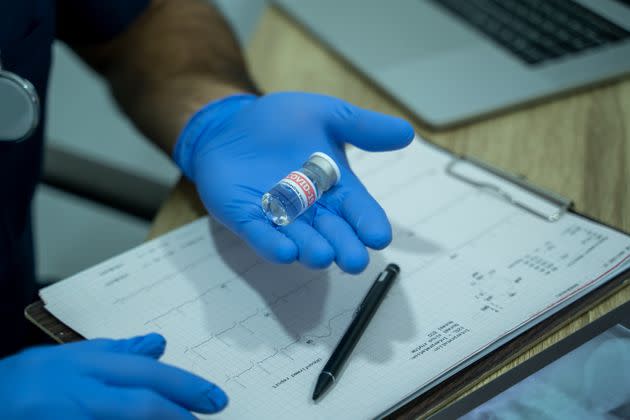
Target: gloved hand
[
  {"x": 102, "y": 379},
  {"x": 237, "y": 148}
]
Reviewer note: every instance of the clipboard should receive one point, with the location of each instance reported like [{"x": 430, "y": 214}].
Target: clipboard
[{"x": 505, "y": 186}]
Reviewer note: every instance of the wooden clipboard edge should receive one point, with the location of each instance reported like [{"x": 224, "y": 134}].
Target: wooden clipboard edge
[{"x": 37, "y": 313}]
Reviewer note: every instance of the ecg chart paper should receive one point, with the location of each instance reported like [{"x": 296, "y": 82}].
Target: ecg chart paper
[{"x": 475, "y": 272}]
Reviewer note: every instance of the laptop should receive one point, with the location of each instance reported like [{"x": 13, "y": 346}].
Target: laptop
[{"x": 450, "y": 61}]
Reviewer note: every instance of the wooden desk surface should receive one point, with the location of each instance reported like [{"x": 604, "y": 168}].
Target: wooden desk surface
[{"x": 577, "y": 145}]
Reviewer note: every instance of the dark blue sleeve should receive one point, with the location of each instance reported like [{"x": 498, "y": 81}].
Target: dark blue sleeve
[{"x": 84, "y": 22}]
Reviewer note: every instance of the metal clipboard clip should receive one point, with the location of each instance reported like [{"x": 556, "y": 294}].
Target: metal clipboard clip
[{"x": 514, "y": 189}]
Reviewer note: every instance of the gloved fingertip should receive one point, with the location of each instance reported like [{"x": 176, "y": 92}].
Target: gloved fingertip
[
  {"x": 377, "y": 237},
  {"x": 370, "y": 130},
  {"x": 217, "y": 400},
  {"x": 409, "y": 132},
  {"x": 368, "y": 220},
  {"x": 269, "y": 242},
  {"x": 152, "y": 345},
  {"x": 355, "y": 263},
  {"x": 319, "y": 258},
  {"x": 401, "y": 133},
  {"x": 284, "y": 253}
]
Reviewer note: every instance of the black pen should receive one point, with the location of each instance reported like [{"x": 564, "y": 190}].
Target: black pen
[{"x": 363, "y": 315}]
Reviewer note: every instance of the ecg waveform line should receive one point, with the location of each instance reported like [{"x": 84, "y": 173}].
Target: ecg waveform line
[
  {"x": 285, "y": 297},
  {"x": 147, "y": 288},
  {"x": 282, "y": 350},
  {"x": 206, "y": 292},
  {"x": 197, "y": 298},
  {"x": 188, "y": 242},
  {"x": 277, "y": 350}
]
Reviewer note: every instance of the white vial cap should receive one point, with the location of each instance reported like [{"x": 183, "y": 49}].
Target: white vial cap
[{"x": 331, "y": 162}]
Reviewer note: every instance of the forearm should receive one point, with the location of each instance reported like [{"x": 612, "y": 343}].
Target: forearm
[{"x": 176, "y": 57}]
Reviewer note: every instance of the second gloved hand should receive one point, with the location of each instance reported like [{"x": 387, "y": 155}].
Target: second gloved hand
[
  {"x": 102, "y": 379},
  {"x": 237, "y": 148}
]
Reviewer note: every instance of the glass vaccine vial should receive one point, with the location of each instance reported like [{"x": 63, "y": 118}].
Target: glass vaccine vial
[{"x": 294, "y": 194}]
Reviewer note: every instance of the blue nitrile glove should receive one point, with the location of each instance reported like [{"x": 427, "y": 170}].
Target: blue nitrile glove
[
  {"x": 237, "y": 148},
  {"x": 102, "y": 379}
]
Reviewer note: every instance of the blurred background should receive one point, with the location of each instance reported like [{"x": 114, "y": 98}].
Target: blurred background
[{"x": 85, "y": 211}]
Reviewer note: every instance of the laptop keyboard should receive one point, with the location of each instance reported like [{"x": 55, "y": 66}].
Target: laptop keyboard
[{"x": 537, "y": 30}]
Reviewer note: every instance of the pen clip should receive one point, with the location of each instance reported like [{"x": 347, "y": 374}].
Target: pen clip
[{"x": 381, "y": 276}]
